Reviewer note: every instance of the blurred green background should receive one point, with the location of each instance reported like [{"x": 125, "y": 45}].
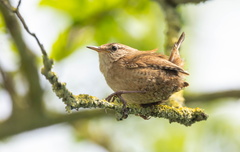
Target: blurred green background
[{"x": 210, "y": 50}]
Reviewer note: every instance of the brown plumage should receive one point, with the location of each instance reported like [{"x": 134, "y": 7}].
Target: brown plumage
[{"x": 141, "y": 77}]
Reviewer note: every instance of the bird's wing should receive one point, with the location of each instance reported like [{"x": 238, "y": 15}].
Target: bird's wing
[{"x": 152, "y": 60}]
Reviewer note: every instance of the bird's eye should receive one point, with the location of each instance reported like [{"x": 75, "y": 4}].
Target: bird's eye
[{"x": 114, "y": 48}]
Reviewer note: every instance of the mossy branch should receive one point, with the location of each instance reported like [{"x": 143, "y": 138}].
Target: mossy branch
[{"x": 172, "y": 111}]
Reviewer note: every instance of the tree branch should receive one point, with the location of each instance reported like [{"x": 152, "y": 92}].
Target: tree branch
[
  {"x": 16, "y": 11},
  {"x": 8, "y": 85},
  {"x": 191, "y": 97},
  {"x": 173, "y": 20},
  {"x": 15, "y": 126},
  {"x": 175, "y": 112},
  {"x": 28, "y": 59}
]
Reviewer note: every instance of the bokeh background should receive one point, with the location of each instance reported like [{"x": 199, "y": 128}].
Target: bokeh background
[{"x": 211, "y": 52}]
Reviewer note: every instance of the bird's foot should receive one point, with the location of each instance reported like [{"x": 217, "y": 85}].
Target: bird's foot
[{"x": 118, "y": 94}]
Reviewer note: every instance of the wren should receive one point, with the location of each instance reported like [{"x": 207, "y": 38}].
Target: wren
[{"x": 141, "y": 77}]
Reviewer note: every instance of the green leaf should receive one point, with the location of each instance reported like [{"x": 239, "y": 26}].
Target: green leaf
[
  {"x": 82, "y": 10},
  {"x": 69, "y": 41}
]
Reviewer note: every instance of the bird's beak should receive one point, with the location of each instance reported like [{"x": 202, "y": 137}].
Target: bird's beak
[{"x": 97, "y": 48}]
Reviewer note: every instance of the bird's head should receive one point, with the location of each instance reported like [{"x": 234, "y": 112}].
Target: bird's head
[{"x": 112, "y": 51}]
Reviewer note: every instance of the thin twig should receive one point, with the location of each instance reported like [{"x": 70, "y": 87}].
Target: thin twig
[
  {"x": 16, "y": 11},
  {"x": 19, "y": 3}
]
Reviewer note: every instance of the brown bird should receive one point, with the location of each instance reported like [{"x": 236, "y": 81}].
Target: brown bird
[{"x": 141, "y": 77}]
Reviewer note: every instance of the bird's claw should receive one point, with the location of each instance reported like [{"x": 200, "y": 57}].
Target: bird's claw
[
  {"x": 111, "y": 97},
  {"x": 118, "y": 94}
]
